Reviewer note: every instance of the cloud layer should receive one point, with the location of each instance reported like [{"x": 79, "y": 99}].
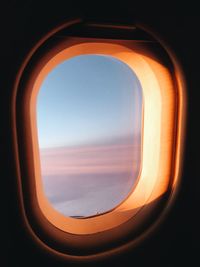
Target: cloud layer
[{"x": 83, "y": 181}]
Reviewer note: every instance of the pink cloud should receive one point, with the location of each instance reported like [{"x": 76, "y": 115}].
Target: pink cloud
[{"x": 89, "y": 160}]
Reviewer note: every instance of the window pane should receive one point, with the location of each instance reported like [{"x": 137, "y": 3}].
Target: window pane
[{"x": 89, "y": 119}]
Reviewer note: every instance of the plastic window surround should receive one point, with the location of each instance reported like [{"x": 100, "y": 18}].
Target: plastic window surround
[{"x": 157, "y": 140}]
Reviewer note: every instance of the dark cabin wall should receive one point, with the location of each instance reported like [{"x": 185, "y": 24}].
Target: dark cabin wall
[{"x": 23, "y": 23}]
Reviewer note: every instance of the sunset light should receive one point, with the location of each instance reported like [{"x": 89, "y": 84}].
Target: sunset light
[{"x": 116, "y": 128}]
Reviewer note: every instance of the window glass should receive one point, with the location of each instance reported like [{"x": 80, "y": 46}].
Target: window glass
[{"x": 89, "y": 120}]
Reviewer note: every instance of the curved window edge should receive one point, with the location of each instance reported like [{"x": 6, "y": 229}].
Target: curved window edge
[{"x": 179, "y": 132}]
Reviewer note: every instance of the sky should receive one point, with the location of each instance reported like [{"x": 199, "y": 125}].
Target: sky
[{"x": 89, "y": 112}]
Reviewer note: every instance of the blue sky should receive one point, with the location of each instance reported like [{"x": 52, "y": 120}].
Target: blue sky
[
  {"x": 89, "y": 127},
  {"x": 86, "y": 99}
]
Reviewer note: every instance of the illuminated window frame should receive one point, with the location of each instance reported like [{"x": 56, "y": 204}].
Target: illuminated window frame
[
  {"x": 159, "y": 106},
  {"x": 163, "y": 122}
]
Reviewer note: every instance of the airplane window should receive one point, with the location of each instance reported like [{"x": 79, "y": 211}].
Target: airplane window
[
  {"x": 103, "y": 126},
  {"x": 89, "y": 120}
]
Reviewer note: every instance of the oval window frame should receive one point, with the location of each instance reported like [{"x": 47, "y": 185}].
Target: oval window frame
[{"x": 52, "y": 233}]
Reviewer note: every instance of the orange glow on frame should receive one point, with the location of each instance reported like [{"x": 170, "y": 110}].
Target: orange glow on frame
[{"x": 159, "y": 124}]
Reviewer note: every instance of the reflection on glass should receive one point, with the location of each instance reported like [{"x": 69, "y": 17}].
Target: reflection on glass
[{"x": 89, "y": 116}]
